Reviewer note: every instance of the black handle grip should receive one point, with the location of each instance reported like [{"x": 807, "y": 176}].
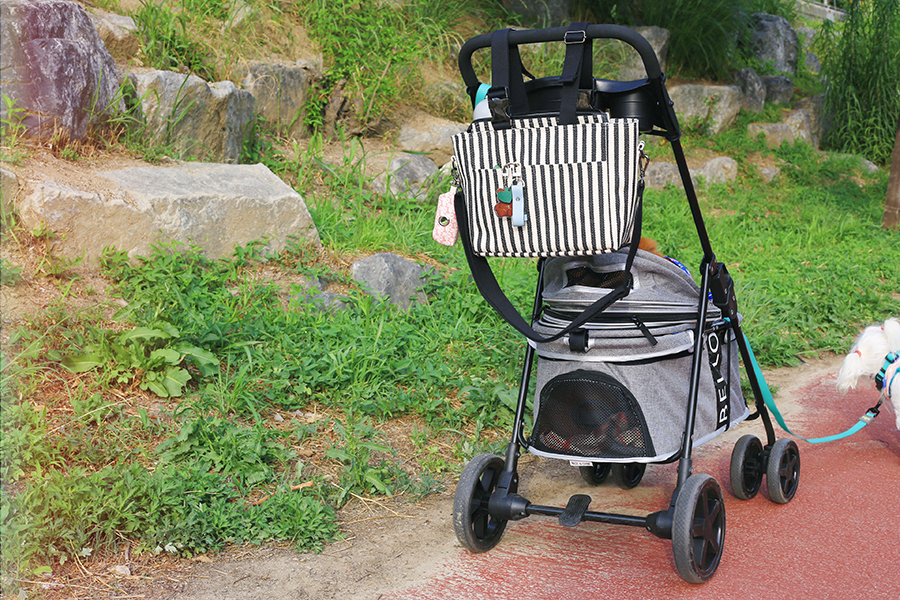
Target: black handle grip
[{"x": 557, "y": 34}]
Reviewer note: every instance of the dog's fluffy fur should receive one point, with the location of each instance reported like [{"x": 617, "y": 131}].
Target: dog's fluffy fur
[{"x": 867, "y": 357}]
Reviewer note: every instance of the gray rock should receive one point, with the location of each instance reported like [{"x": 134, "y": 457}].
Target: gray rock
[
  {"x": 753, "y": 91},
  {"x": 796, "y": 126},
  {"x": 118, "y": 32},
  {"x": 406, "y": 173},
  {"x": 392, "y": 277},
  {"x": 660, "y": 174},
  {"x": 715, "y": 106},
  {"x": 815, "y": 107},
  {"x": 55, "y": 67},
  {"x": 431, "y": 135},
  {"x": 768, "y": 173},
  {"x": 721, "y": 169},
  {"x": 775, "y": 42},
  {"x": 281, "y": 92},
  {"x": 199, "y": 120},
  {"x": 633, "y": 67},
  {"x": 779, "y": 89},
  {"x": 120, "y": 570},
  {"x": 813, "y": 64},
  {"x": 214, "y": 206},
  {"x": 801, "y": 125}
]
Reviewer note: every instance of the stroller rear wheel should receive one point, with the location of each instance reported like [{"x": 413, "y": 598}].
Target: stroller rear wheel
[
  {"x": 627, "y": 476},
  {"x": 746, "y": 468},
  {"x": 698, "y": 528},
  {"x": 475, "y": 528},
  {"x": 596, "y": 473},
  {"x": 783, "y": 471}
]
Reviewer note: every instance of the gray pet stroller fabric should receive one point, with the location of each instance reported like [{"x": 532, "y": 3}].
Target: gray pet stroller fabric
[{"x": 624, "y": 398}]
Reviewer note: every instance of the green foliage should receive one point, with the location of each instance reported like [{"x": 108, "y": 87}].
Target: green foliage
[
  {"x": 861, "y": 62},
  {"x": 151, "y": 354},
  {"x": 167, "y": 43},
  {"x": 376, "y": 55},
  {"x": 10, "y": 274},
  {"x": 245, "y": 455},
  {"x": 12, "y": 130},
  {"x": 177, "y": 509}
]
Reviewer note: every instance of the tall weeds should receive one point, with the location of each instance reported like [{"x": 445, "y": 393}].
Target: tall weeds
[{"x": 861, "y": 63}]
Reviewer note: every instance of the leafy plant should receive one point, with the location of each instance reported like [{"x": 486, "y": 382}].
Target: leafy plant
[
  {"x": 355, "y": 451},
  {"x": 12, "y": 130},
  {"x": 145, "y": 353},
  {"x": 246, "y": 455},
  {"x": 10, "y": 274}
]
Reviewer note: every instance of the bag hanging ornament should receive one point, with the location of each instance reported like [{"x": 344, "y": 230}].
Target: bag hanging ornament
[{"x": 446, "y": 228}]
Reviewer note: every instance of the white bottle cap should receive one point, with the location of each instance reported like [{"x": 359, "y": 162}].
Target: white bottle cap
[{"x": 481, "y": 111}]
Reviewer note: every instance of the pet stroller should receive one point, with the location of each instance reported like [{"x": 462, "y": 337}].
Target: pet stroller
[{"x": 635, "y": 363}]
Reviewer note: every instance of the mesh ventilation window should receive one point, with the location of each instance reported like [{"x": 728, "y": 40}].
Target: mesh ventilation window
[
  {"x": 590, "y": 278},
  {"x": 590, "y": 414}
]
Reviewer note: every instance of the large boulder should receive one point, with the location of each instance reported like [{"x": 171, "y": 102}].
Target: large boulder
[
  {"x": 55, "y": 67},
  {"x": 205, "y": 121},
  {"x": 797, "y": 125},
  {"x": 779, "y": 89},
  {"x": 118, "y": 32},
  {"x": 281, "y": 92},
  {"x": 753, "y": 90},
  {"x": 775, "y": 43},
  {"x": 633, "y": 67},
  {"x": 214, "y": 206},
  {"x": 406, "y": 174},
  {"x": 714, "y": 106}
]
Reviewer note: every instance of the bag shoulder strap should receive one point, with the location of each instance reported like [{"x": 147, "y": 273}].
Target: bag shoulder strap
[{"x": 492, "y": 292}]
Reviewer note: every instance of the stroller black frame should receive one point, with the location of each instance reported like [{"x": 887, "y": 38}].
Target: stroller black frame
[{"x": 486, "y": 496}]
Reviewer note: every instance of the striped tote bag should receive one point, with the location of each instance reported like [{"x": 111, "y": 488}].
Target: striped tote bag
[{"x": 543, "y": 189}]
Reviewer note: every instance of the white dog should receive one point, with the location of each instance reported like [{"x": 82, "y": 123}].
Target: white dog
[{"x": 876, "y": 354}]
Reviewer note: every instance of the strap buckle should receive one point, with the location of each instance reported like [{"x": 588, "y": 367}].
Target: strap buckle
[{"x": 575, "y": 37}]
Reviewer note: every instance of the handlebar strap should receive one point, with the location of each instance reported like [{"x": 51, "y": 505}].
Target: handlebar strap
[
  {"x": 507, "y": 95},
  {"x": 577, "y": 71},
  {"x": 492, "y": 292}
]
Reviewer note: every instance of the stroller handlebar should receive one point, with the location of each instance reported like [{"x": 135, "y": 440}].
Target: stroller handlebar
[{"x": 558, "y": 34}]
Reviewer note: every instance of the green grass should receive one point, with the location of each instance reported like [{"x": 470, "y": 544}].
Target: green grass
[{"x": 809, "y": 258}]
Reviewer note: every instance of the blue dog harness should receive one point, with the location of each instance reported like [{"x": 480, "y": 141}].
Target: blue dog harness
[{"x": 890, "y": 361}]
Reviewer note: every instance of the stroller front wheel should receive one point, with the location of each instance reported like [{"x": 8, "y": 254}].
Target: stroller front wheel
[
  {"x": 475, "y": 528},
  {"x": 698, "y": 528}
]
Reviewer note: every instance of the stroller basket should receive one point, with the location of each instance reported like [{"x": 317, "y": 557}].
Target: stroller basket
[{"x": 617, "y": 390}]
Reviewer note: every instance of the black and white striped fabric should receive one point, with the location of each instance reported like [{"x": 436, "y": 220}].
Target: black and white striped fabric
[{"x": 579, "y": 183}]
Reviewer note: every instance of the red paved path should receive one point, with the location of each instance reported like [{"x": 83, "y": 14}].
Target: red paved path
[{"x": 838, "y": 538}]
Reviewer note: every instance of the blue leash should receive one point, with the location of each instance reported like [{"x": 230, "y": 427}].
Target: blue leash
[{"x": 770, "y": 404}]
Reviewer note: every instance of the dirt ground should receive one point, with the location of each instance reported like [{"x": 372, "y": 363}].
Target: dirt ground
[{"x": 390, "y": 545}]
